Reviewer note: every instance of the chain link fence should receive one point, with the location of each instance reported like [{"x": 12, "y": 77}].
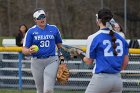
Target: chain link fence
[{"x": 80, "y": 74}]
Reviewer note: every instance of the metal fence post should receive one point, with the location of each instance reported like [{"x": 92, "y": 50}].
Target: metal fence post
[
  {"x": 125, "y": 16},
  {"x": 19, "y": 70}
]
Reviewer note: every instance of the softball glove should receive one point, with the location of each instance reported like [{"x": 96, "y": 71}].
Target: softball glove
[{"x": 63, "y": 73}]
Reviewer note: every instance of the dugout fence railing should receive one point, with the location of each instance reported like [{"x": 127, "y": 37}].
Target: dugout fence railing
[{"x": 20, "y": 75}]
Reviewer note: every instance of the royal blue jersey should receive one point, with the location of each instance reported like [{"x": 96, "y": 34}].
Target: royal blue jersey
[
  {"x": 100, "y": 48},
  {"x": 46, "y": 39}
]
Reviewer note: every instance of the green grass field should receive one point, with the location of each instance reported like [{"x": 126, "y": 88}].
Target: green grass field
[{"x": 33, "y": 91}]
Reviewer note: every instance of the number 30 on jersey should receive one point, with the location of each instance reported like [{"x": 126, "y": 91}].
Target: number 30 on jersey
[{"x": 45, "y": 43}]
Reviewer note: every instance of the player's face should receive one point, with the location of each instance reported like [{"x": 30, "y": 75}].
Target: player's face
[{"x": 41, "y": 20}]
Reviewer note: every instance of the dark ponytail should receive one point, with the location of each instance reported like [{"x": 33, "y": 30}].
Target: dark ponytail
[
  {"x": 105, "y": 15},
  {"x": 113, "y": 40}
]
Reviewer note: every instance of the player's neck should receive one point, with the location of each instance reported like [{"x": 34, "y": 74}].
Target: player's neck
[
  {"x": 102, "y": 27},
  {"x": 42, "y": 26}
]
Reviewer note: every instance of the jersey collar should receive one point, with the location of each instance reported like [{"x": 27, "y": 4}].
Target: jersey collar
[{"x": 105, "y": 30}]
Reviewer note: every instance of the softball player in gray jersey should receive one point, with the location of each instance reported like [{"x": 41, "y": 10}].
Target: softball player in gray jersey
[{"x": 44, "y": 62}]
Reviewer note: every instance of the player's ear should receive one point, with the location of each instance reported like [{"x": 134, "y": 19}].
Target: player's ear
[{"x": 34, "y": 20}]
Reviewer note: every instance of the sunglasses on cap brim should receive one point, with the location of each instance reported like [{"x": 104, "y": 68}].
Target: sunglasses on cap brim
[{"x": 42, "y": 16}]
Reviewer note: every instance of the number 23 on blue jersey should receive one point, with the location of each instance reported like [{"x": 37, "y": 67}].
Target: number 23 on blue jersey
[{"x": 108, "y": 45}]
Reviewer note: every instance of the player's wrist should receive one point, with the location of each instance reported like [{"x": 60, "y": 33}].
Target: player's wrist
[
  {"x": 82, "y": 55},
  {"x": 60, "y": 52},
  {"x": 61, "y": 58},
  {"x": 29, "y": 51}
]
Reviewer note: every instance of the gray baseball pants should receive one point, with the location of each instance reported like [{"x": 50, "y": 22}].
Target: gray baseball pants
[
  {"x": 44, "y": 73},
  {"x": 105, "y": 83}
]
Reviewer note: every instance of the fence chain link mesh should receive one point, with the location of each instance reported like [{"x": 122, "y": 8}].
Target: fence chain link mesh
[{"x": 80, "y": 74}]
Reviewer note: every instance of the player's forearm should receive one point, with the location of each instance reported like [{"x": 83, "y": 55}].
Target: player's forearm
[
  {"x": 82, "y": 54},
  {"x": 84, "y": 58},
  {"x": 125, "y": 62},
  {"x": 26, "y": 51},
  {"x": 124, "y": 66},
  {"x": 59, "y": 45},
  {"x": 60, "y": 54}
]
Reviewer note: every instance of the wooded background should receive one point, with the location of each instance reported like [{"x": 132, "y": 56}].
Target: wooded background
[{"x": 74, "y": 18}]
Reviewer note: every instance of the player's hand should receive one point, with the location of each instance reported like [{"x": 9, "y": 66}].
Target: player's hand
[
  {"x": 88, "y": 60},
  {"x": 32, "y": 50}
]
